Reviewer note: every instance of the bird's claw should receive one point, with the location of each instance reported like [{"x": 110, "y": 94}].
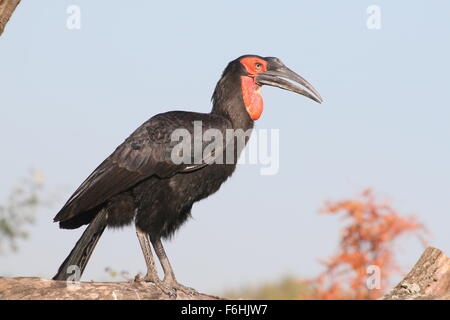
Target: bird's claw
[
  {"x": 166, "y": 289},
  {"x": 179, "y": 287},
  {"x": 171, "y": 292}
]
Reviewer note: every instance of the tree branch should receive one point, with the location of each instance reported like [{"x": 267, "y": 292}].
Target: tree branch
[
  {"x": 7, "y": 8},
  {"x": 428, "y": 279},
  {"x": 23, "y": 288}
]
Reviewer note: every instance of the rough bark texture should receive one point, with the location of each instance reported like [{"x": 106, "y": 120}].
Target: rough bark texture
[
  {"x": 429, "y": 279},
  {"x": 43, "y": 289},
  {"x": 7, "y": 8}
]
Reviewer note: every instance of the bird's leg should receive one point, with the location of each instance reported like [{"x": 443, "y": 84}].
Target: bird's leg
[
  {"x": 169, "y": 275},
  {"x": 152, "y": 273}
]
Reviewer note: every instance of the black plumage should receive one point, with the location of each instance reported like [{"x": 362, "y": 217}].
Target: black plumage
[
  {"x": 140, "y": 183},
  {"x": 139, "y": 175}
]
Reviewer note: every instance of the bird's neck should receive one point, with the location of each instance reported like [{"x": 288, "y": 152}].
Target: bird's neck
[{"x": 228, "y": 102}]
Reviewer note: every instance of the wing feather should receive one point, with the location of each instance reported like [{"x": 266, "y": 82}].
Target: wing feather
[{"x": 142, "y": 155}]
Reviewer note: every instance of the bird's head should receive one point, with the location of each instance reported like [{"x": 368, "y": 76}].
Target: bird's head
[{"x": 255, "y": 71}]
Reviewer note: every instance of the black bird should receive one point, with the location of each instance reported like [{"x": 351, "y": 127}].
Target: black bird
[{"x": 141, "y": 182}]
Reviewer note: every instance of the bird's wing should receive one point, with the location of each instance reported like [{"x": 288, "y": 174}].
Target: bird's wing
[{"x": 145, "y": 153}]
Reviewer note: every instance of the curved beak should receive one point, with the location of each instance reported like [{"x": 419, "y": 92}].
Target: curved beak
[{"x": 277, "y": 78}]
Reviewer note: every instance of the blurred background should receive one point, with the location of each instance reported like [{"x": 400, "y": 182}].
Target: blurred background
[{"x": 70, "y": 96}]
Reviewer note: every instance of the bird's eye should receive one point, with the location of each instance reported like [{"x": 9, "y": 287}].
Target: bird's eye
[{"x": 258, "y": 66}]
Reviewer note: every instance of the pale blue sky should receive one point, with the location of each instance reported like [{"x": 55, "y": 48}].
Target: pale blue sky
[{"x": 69, "y": 98}]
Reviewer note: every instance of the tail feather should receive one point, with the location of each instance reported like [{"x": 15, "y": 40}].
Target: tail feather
[{"x": 75, "y": 263}]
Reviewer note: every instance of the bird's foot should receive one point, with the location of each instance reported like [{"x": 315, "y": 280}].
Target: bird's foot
[
  {"x": 179, "y": 287},
  {"x": 166, "y": 289}
]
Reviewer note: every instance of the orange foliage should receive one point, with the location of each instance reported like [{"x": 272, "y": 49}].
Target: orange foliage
[{"x": 366, "y": 247}]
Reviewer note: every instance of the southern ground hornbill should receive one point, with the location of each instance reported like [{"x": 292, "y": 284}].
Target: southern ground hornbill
[{"x": 140, "y": 182}]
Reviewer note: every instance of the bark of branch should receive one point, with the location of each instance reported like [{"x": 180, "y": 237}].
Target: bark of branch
[
  {"x": 7, "y": 8},
  {"x": 44, "y": 289},
  {"x": 428, "y": 279}
]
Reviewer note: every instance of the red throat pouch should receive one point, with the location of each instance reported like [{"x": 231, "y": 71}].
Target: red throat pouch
[{"x": 252, "y": 98}]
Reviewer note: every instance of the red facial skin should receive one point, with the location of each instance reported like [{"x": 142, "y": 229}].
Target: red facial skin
[{"x": 250, "y": 90}]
